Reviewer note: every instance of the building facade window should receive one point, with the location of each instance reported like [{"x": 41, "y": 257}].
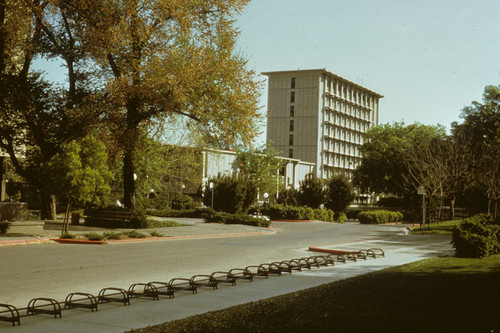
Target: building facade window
[
  {"x": 292, "y": 84},
  {"x": 291, "y": 125},
  {"x": 292, "y": 111},
  {"x": 292, "y": 97},
  {"x": 290, "y": 140},
  {"x": 290, "y": 153}
]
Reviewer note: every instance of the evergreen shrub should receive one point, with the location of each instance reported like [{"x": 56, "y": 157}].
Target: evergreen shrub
[
  {"x": 476, "y": 237},
  {"x": 284, "y": 212},
  {"x": 379, "y": 216},
  {"x": 227, "y": 218}
]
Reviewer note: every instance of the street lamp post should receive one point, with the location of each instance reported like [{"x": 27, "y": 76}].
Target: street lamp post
[
  {"x": 211, "y": 186},
  {"x": 421, "y": 191}
]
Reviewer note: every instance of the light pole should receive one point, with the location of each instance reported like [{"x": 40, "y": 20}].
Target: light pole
[
  {"x": 421, "y": 191},
  {"x": 211, "y": 186},
  {"x": 182, "y": 195},
  {"x": 266, "y": 195}
]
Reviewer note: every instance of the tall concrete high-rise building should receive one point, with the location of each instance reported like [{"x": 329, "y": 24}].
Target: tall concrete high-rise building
[{"x": 320, "y": 117}]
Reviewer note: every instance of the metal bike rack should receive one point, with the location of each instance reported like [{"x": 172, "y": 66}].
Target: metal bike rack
[
  {"x": 14, "y": 314},
  {"x": 257, "y": 270},
  {"x": 148, "y": 290},
  {"x": 110, "y": 294},
  {"x": 86, "y": 301},
  {"x": 241, "y": 274},
  {"x": 162, "y": 288},
  {"x": 223, "y": 277},
  {"x": 178, "y": 284},
  {"x": 202, "y": 280},
  {"x": 48, "y": 306}
]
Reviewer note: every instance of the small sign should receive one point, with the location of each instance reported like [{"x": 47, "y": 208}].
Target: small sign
[{"x": 421, "y": 190}]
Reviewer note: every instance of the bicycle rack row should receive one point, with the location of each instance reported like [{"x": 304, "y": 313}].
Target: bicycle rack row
[{"x": 155, "y": 289}]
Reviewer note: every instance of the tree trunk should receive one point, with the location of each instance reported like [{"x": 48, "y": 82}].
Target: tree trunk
[
  {"x": 452, "y": 208},
  {"x": 128, "y": 179},
  {"x": 48, "y": 211},
  {"x": 496, "y": 209}
]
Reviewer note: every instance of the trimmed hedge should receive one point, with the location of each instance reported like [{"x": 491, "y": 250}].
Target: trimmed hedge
[
  {"x": 476, "y": 237},
  {"x": 194, "y": 213},
  {"x": 284, "y": 212},
  {"x": 221, "y": 217},
  {"x": 379, "y": 216}
]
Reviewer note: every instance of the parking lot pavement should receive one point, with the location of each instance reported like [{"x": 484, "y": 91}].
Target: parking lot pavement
[{"x": 115, "y": 317}]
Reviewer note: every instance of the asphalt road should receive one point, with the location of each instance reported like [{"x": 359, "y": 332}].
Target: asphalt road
[{"x": 55, "y": 270}]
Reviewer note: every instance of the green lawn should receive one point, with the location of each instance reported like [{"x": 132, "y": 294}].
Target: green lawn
[
  {"x": 433, "y": 295},
  {"x": 441, "y": 228}
]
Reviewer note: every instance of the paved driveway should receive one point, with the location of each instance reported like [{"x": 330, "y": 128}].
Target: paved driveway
[{"x": 55, "y": 270}]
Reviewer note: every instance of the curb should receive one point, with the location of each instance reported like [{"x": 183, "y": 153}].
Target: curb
[
  {"x": 134, "y": 240},
  {"x": 25, "y": 241},
  {"x": 76, "y": 241},
  {"x": 322, "y": 248},
  {"x": 330, "y": 251}
]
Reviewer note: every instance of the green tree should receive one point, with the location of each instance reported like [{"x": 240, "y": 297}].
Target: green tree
[
  {"x": 38, "y": 118},
  {"x": 482, "y": 123},
  {"x": 383, "y": 168},
  {"x": 260, "y": 166},
  {"x": 167, "y": 173},
  {"x": 80, "y": 174},
  {"x": 312, "y": 192},
  {"x": 167, "y": 60},
  {"x": 340, "y": 194},
  {"x": 230, "y": 194}
]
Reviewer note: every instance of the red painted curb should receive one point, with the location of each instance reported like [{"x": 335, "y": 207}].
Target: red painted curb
[
  {"x": 330, "y": 251},
  {"x": 77, "y": 241}
]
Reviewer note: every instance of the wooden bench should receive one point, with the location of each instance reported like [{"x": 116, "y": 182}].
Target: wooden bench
[{"x": 109, "y": 218}]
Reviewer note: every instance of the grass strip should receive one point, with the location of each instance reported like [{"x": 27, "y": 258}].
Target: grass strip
[
  {"x": 441, "y": 228},
  {"x": 433, "y": 295}
]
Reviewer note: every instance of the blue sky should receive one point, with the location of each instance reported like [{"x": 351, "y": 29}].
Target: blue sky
[{"x": 428, "y": 58}]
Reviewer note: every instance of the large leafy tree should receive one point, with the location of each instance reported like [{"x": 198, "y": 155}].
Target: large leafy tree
[
  {"x": 37, "y": 118},
  {"x": 167, "y": 59},
  {"x": 383, "y": 168},
  {"x": 482, "y": 123}
]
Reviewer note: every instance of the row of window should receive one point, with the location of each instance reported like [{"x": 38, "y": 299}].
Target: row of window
[
  {"x": 341, "y": 161},
  {"x": 330, "y": 172},
  {"x": 346, "y": 108},
  {"x": 344, "y": 134},
  {"x": 349, "y": 123},
  {"x": 350, "y": 93},
  {"x": 343, "y": 148}
]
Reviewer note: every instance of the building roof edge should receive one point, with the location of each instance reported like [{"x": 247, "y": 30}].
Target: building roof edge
[{"x": 325, "y": 71}]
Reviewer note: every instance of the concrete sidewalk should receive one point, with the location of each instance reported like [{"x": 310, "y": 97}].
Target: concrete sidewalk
[{"x": 114, "y": 317}]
